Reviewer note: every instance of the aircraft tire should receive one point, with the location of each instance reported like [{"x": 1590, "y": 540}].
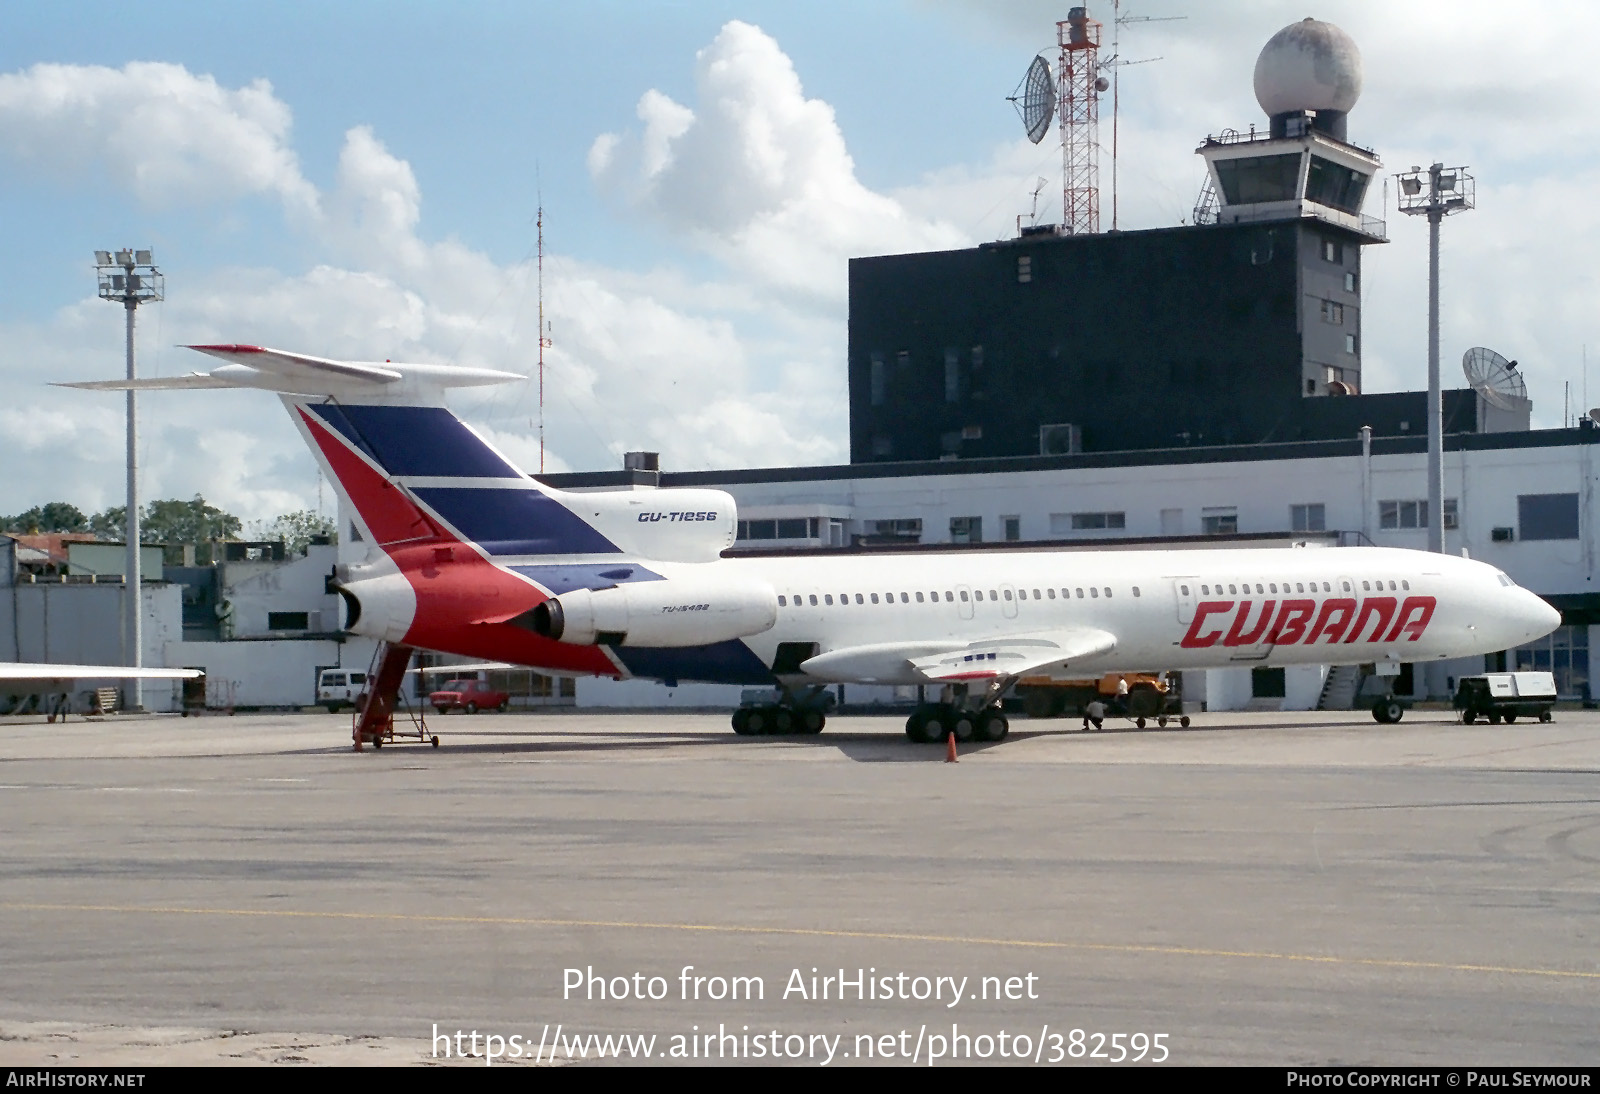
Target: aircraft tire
[
  {"x": 963, "y": 724},
  {"x": 782, "y": 721},
  {"x": 994, "y": 726},
  {"x": 756, "y": 722},
  {"x": 741, "y": 722},
  {"x": 809, "y": 721},
  {"x": 927, "y": 726}
]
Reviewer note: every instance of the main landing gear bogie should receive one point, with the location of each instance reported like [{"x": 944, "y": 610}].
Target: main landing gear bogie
[
  {"x": 933, "y": 722},
  {"x": 759, "y": 721}
]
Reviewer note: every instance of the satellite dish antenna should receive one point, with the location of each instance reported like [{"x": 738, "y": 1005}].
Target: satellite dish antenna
[
  {"x": 1493, "y": 377},
  {"x": 1035, "y": 99}
]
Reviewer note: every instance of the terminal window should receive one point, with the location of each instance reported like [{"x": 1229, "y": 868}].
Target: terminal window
[
  {"x": 288, "y": 621},
  {"x": 966, "y": 529},
  {"x": 1087, "y": 522},
  {"x": 1547, "y": 516},
  {"x": 1219, "y": 522},
  {"x": 1399, "y": 515},
  {"x": 1308, "y": 518}
]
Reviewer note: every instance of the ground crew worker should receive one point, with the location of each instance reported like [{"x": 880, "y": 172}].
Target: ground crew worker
[{"x": 1094, "y": 711}]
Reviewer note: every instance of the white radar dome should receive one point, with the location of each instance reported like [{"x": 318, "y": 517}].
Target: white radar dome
[{"x": 1309, "y": 65}]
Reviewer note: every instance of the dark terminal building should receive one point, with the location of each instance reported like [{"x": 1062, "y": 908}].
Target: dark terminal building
[{"x": 1242, "y": 328}]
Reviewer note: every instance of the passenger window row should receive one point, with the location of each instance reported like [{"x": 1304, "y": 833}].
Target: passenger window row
[
  {"x": 949, "y": 596},
  {"x": 1309, "y": 587}
]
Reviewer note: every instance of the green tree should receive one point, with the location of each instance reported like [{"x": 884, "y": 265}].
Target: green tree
[
  {"x": 192, "y": 521},
  {"x": 52, "y": 516},
  {"x": 296, "y": 529},
  {"x": 170, "y": 521}
]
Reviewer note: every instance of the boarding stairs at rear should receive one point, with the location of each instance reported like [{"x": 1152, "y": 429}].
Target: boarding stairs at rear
[
  {"x": 1339, "y": 689},
  {"x": 375, "y": 718}
]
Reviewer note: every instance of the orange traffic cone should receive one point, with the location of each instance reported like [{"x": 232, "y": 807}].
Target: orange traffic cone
[{"x": 950, "y": 753}]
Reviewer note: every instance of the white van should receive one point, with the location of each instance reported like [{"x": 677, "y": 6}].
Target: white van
[{"x": 339, "y": 688}]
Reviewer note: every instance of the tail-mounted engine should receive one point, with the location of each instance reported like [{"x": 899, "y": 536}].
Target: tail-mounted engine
[{"x": 672, "y": 613}]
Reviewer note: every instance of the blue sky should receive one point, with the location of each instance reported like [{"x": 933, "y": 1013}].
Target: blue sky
[{"x": 360, "y": 180}]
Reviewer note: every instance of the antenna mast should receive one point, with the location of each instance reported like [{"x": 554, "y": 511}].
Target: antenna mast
[
  {"x": 1079, "y": 111},
  {"x": 543, "y": 341},
  {"x": 1118, "y": 21}
]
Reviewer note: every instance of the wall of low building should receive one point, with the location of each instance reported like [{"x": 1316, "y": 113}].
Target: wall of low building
[
  {"x": 258, "y": 674},
  {"x": 257, "y": 589},
  {"x": 82, "y": 624}
]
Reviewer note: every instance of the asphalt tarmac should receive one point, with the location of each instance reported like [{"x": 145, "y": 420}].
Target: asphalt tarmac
[{"x": 1270, "y": 889}]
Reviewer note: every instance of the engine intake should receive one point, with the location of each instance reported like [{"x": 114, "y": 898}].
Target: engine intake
[{"x": 673, "y": 613}]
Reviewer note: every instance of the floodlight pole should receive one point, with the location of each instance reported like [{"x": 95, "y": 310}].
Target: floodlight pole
[
  {"x": 1435, "y": 391},
  {"x": 130, "y": 279},
  {"x": 1448, "y": 191}
]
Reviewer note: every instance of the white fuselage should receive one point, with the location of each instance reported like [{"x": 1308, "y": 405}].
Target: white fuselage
[{"x": 1254, "y": 606}]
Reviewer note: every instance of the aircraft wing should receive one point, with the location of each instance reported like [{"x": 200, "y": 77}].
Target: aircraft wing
[
  {"x": 950, "y": 661},
  {"x": 476, "y": 666},
  {"x": 26, "y": 677},
  {"x": 1021, "y": 655}
]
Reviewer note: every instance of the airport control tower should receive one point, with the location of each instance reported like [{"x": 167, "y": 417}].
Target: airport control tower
[{"x": 1242, "y": 327}]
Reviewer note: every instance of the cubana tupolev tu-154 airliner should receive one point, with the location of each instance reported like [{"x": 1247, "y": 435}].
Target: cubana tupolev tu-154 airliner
[{"x": 469, "y": 555}]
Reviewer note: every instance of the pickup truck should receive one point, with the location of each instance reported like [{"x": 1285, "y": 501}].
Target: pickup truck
[
  {"x": 468, "y": 695},
  {"x": 1505, "y": 696}
]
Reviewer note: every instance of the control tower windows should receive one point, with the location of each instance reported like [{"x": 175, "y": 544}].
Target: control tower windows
[
  {"x": 1337, "y": 187},
  {"x": 1255, "y": 179}
]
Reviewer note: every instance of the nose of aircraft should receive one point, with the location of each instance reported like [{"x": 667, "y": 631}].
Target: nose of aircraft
[{"x": 1537, "y": 616}]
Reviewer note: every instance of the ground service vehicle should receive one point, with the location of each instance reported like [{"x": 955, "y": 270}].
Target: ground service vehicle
[
  {"x": 470, "y": 696},
  {"x": 1148, "y": 695},
  {"x": 1507, "y": 696},
  {"x": 339, "y": 688}
]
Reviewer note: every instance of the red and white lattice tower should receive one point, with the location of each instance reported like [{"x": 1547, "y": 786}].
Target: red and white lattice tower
[{"x": 1078, "y": 107}]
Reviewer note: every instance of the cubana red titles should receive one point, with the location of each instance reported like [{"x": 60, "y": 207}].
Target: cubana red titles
[{"x": 1304, "y": 622}]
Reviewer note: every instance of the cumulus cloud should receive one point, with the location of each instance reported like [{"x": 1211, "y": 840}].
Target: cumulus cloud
[
  {"x": 757, "y": 174},
  {"x": 176, "y": 135},
  {"x": 710, "y": 373}
]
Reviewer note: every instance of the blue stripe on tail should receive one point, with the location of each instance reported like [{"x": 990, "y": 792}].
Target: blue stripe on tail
[
  {"x": 416, "y": 440},
  {"x": 515, "y": 522}
]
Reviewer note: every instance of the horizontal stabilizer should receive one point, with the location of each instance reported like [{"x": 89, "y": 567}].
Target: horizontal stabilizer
[
  {"x": 282, "y": 363},
  {"x": 195, "y": 380},
  {"x": 301, "y": 374}
]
